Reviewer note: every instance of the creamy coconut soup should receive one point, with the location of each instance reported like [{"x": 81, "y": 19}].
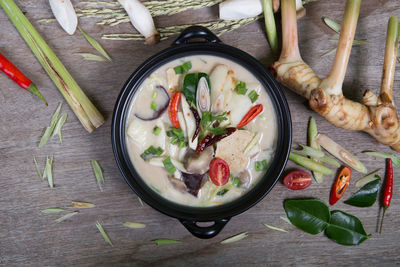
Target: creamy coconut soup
[{"x": 201, "y": 130}]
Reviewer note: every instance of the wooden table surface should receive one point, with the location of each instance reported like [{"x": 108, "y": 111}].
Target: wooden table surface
[{"x": 31, "y": 238}]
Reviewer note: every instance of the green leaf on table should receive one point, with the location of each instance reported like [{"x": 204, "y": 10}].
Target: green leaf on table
[
  {"x": 345, "y": 229},
  {"x": 66, "y": 216},
  {"x": 366, "y": 196},
  {"x": 50, "y": 129},
  {"x": 165, "y": 241},
  {"x": 52, "y": 210},
  {"x": 310, "y": 215},
  {"x": 234, "y": 238},
  {"x": 59, "y": 125},
  {"x": 37, "y": 168},
  {"x": 103, "y": 233},
  {"x": 190, "y": 86},
  {"x": 95, "y": 44},
  {"x": 98, "y": 172},
  {"x": 92, "y": 57}
]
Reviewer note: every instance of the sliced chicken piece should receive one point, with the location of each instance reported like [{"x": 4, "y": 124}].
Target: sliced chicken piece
[{"x": 231, "y": 149}]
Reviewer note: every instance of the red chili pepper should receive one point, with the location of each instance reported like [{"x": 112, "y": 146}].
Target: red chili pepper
[
  {"x": 17, "y": 76},
  {"x": 202, "y": 144},
  {"x": 340, "y": 185},
  {"x": 250, "y": 115},
  {"x": 388, "y": 190},
  {"x": 197, "y": 118},
  {"x": 173, "y": 109}
]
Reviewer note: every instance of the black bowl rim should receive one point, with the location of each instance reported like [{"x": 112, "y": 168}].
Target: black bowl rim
[{"x": 253, "y": 196}]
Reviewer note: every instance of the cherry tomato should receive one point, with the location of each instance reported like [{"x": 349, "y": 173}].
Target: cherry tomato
[
  {"x": 297, "y": 180},
  {"x": 219, "y": 171}
]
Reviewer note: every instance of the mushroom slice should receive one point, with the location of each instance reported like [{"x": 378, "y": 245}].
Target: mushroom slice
[
  {"x": 177, "y": 184},
  {"x": 201, "y": 163}
]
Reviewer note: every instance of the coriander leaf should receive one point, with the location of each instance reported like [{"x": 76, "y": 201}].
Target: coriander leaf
[
  {"x": 218, "y": 130},
  {"x": 241, "y": 88}
]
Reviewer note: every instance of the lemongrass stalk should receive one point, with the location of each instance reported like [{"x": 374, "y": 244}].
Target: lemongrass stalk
[
  {"x": 290, "y": 47},
  {"x": 86, "y": 112},
  {"x": 309, "y": 164},
  {"x": 332, "y": 84},
  {"x": 270, "y": 26},
  {"x": 392, "y": 40},
  {"x": 311, "y": 136}
]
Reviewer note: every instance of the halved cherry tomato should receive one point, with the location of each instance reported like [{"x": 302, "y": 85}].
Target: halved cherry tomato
[
  {"x": 297, "y": 180},
  {"x": 219, "y": 171},
  {"x": 340, "y": 185}
]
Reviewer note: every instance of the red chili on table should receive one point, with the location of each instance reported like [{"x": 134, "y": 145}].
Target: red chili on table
[
  {"x": 17, "y": 76},
  {"x": 340, "y": 185},
  {"x": 388, "y": 189},
  {"x": 250, "y": 115}
]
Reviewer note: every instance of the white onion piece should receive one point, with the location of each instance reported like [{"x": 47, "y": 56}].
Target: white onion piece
[
  {"x": 203, "y": 102},
  {"x": 190, "y": 122},
  {"x": 141, "y": 19},
  {"x": 65, "y": 14}
]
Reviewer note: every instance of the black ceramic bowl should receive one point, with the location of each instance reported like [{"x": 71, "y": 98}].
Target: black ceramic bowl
[{"x": 189, "y": 216}]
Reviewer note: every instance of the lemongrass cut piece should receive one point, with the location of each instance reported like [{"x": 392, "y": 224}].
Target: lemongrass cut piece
[
  {"x": 368, "y": 178},
  {"x": 275, "y": 228},
  {"x": 65, "y": 14},
  {"x": 312, "y": 133},
  {"x": 165, "y": 241},
  {"x": 309, "y": 151},
  {"x": 52, "y": 210},
  {"x": 341, "y": 153},
  {"x": 92, "y": 57},
  {"x": 141, "y": 19},
  {"x": 309, "y": 164}
]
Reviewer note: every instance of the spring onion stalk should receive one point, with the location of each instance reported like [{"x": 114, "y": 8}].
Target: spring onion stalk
[
  {"x": 309, "y": 164},
  {"x": 86, "y": 112},
  {"x": 312, "y": 133},
  {"x": 270, "y": 26},
  {"x": 368, "y": 178}
]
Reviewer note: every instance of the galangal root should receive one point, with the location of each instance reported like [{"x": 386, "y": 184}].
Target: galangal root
[{"x": 377, "y": 115}]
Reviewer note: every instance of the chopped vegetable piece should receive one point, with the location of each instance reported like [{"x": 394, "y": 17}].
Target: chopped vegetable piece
[
  {"x": 261, "y": 165},
  {"x": 388, "y": 189},
  {"x": 66, "y": 216},
  {"x": 164, "y": 241},
  {"x": 92, "y": 57},
  {"x": 340, "y": 185},
  {"x": 218, "y": 130},
  {"x": 366, "y": 196},
  {"x": 241, "y": 88},
  {"x": 339, "y": 152},
  {"x": 394, "y": 158},
  {"x": 82, "y": 205},
  {"x": 169, "y": 166},
  {"x": 95, "y": 44},
  {"x": 332, "y": 24},
  {"x": 185, "y": 67},
  {"x": 52, "y": 210},
  {"x": 37, "y": 168},
  {"x": 176, "y": 136},
  {"x": 311, "y": 137},
  {"x": 182, "y": 144},
  {"x": 309, "y": 164},
  {"x": 59, "y": 125},
  {"x": 219, "y": 172},
  {"x": 250, "y": 115},
  {"x": 297, "y": 180},
  {"x": 156, "y": 130},
  {"x": 275, "y": 228},
  {"x": 309, "y": 151},
  {"x": 154, "y": 95},
  {"x": 153, "y": 105},
  {"x": 98, "y": 173},
  {"x": 368, "y": 178},
  {"x": 134, "y": 225},
  {"x": 103, "y": 233},
  {"x": 253, "y": 96},
  {"x": 331, "y": 161},
  {"x": 237, "y": 182},
  {"x": 234, "y": 238},
  {"x": 173, "y": 109},
  {"x": 49, "y": 130},
  {"x": 151, "y": 152},
  {"x": 222, "y": 192}
]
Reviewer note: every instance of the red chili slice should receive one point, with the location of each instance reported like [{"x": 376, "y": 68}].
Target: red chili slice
[
  {"x": 340, "y": 185},
  {"x": 297, "y": 180},
  {"x": 250, "y": 115},
  {"x": 173, "y": 109},
  {"x": 219, "y": 171}
]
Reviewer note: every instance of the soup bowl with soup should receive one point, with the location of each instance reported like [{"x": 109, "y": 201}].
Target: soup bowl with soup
[{"x": 201, "y": 131}]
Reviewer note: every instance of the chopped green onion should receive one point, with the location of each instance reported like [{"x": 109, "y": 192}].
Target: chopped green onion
[
  {"x": 275, "y": 228},
  {"x": 154, "y": 95},
  {"x": 169, "y": 166},
  {"x": 103, "y": 233},
  {"x": 151, "y": 152},
  {"x": 95, "y": 44},
  {"x": 182, "y": 144},
  {"x": 309, "y": 164},
  {"x": 66, "y": 216},
  {"x": 37, "y": 168},
  {"x": 98, "y": 173},
  {"x": 222, "y": 192},
  {"x": 261, "y": 165},
  {"x": 333, "y": 25},
  {"x": 52, "y": 210},
  {"x": 134, "y": 225},
  {"x": 241, "y": 88},
  {"x": 153, "y": 105},
  {"x": 395, "y": 159},
  {"x": 355, "y": 42},
  {"x": 59, "y": 125},
  {"x": 237, "y": 182},
  {"x": 91, "y": 57},
  {"x": 253, "y": 96},
  {"x": 368, "y": 178},
  {"x": 174, "y": 140},
  {"x": 156, "y": 130},
  {"x": 82, "y": 205},
  {"x": 50, "y": 129},
  {"x": 234, "y": 238},
  {"x": 185, "y": 67},
  {"x": 164, "y": 241}
]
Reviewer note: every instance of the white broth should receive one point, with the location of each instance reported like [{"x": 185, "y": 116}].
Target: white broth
[{"x": 171, "y": 161}]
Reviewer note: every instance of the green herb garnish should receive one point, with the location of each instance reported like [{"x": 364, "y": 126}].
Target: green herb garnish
[
  {"x": 164, "y": 241},
  {"x": 237, "y": 182},
  {"x": 241, "y": 88},
  {"x": 66, "y": 216},
  {"x": 218, "y": 130},
  {"x": 103, "y": 233},
  {"x": 154, "y": 95},
  {"x": 49, "y": 130},
  {"x": 261, "y": 165},
  {"x": 253, "y": 96},
  {"x": 153, "y": 105},
  {"x": 222, "y": 192},
  {"x": 182, "y": 144},
  {"x": 208, "y": 117},
  {"x": 176, "y": 136},
  {"x": 59, "y": 125},
  {"x": 95, "y": 44},
  {"x": 151, "y": 152},
  {"x": 98, "y": 173},
  {"x": 234, "y": 238},
  {"x": 185, "y": 67},
  {"x": 169, "y": 166},
  {"x": 156, "y": 130}
]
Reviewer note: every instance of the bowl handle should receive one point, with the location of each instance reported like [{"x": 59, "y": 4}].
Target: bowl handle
[
  {"x": 205, "y": 232},
  {"x": 196, "y": 32}
]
